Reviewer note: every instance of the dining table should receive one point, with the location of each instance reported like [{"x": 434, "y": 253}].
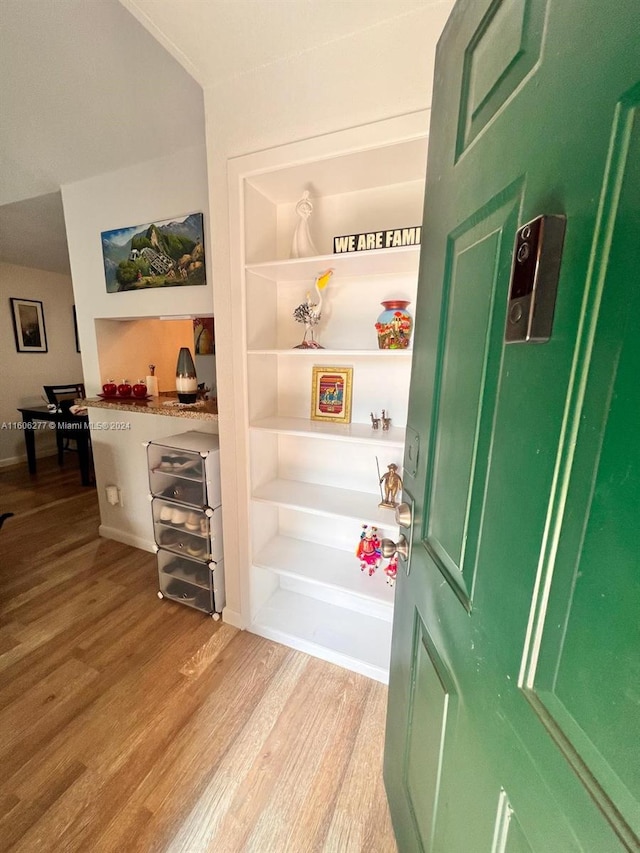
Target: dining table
[{"x": 68, "y": 425}]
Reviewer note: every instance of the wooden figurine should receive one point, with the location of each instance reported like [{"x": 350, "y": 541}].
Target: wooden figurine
[{"x": 392, "y": 485}]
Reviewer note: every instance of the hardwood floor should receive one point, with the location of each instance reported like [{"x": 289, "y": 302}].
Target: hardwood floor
[{"x": 133, "y": 724}]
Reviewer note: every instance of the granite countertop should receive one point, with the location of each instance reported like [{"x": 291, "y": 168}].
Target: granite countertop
[{"x": 207, "y": 410}]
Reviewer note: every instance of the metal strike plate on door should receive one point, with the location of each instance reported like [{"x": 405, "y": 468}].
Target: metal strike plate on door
[
  {"x": 411, "y": 452},
  {"x": 534, "y": 279}
]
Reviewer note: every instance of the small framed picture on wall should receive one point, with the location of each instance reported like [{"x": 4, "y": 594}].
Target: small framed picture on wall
[
  {"x": 331, "y": 394},
  {"x": 28, "y": 325}
]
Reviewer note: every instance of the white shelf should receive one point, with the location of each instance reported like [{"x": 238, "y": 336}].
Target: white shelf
[
  {"x": 399, "y": 261},
  {"x": 296, "y": 553},
  {"x": 354, "y": 640},
  {"x": 338, "y": 353},
  {"x": 360, "y": 433},
  {"x": 330, "y": 501},
  {"x": 332, "y": 568},
  {"x": 368, "y": 160}
]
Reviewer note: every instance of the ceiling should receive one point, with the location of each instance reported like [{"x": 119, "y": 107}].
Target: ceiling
[
  {"x": 220, "y": 39},
  {"x": 32, "y": 234},
  {"x": 86, "y": 89}
]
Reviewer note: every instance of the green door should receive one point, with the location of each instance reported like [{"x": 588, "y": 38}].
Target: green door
[{"x": 514, "y": 697}]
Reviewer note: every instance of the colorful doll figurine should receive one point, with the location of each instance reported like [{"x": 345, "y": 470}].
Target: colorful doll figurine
[
  {"x": 369, "y": 552},
  {"x": 391, "y": 570}
]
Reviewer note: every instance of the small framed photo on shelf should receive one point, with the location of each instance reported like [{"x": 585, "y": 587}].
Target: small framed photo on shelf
[
  {"x": 28, "y": 325},
  {"x": 331, "y": 394}
]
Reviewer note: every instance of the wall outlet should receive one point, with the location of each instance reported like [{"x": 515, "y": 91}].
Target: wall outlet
[{"x": 113, "y": 495}]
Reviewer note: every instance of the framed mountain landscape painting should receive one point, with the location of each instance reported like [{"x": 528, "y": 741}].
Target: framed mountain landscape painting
[{"x": 167, "y": 253}]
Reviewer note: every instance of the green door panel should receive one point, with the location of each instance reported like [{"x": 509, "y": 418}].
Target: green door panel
[
  {"x": 430, "y": 705},
  {"x": 504, "y": 48},
  {"x": 472, "y": 326},
  {"x": 508, "y": 836},
  {"x": 515, "y": 841},
  {"x": 588, "y": 669},
  {"x": 514, "y": 695}
]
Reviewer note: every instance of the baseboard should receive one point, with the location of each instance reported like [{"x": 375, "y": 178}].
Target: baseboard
[
  {"x": 12, "y": 460},
  {"x": 18, "y": 460},
  {"x": 126, "y": 538},
  {"x": 232, "y": 617}
]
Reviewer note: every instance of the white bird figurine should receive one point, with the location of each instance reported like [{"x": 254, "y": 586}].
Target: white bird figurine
[
  {"x": 302, "y": 245},
  {"x": 309, "y": 312}
]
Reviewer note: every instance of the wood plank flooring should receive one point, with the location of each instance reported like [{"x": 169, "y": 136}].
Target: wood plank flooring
[{"x": 133, "y": 724}]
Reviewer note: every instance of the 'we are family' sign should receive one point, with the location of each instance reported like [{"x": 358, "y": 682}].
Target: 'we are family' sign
[{"x": 377, "y": 240}]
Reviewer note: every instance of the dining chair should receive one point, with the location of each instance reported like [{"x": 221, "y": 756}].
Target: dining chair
[{"x": 63, "y": 397}]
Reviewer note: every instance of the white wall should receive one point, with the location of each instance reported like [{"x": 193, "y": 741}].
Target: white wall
[
  {"x": 118, "y": 440},
  {"x": 157, "y": 190},
  {"x": 153, "y": 191},
  {"x": 23, "y": 374}
]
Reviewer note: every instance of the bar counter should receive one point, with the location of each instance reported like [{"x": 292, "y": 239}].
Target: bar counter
[{"x": 207, "y": 410}]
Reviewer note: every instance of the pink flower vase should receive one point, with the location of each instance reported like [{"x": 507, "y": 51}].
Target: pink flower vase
[{"x": 394, "y": 325}]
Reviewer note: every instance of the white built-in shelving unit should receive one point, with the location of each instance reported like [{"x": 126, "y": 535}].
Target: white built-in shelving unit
[{"x": 310, "y": 486}]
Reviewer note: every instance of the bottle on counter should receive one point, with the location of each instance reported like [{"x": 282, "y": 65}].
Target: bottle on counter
[{"x": 152, "y": 381}]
